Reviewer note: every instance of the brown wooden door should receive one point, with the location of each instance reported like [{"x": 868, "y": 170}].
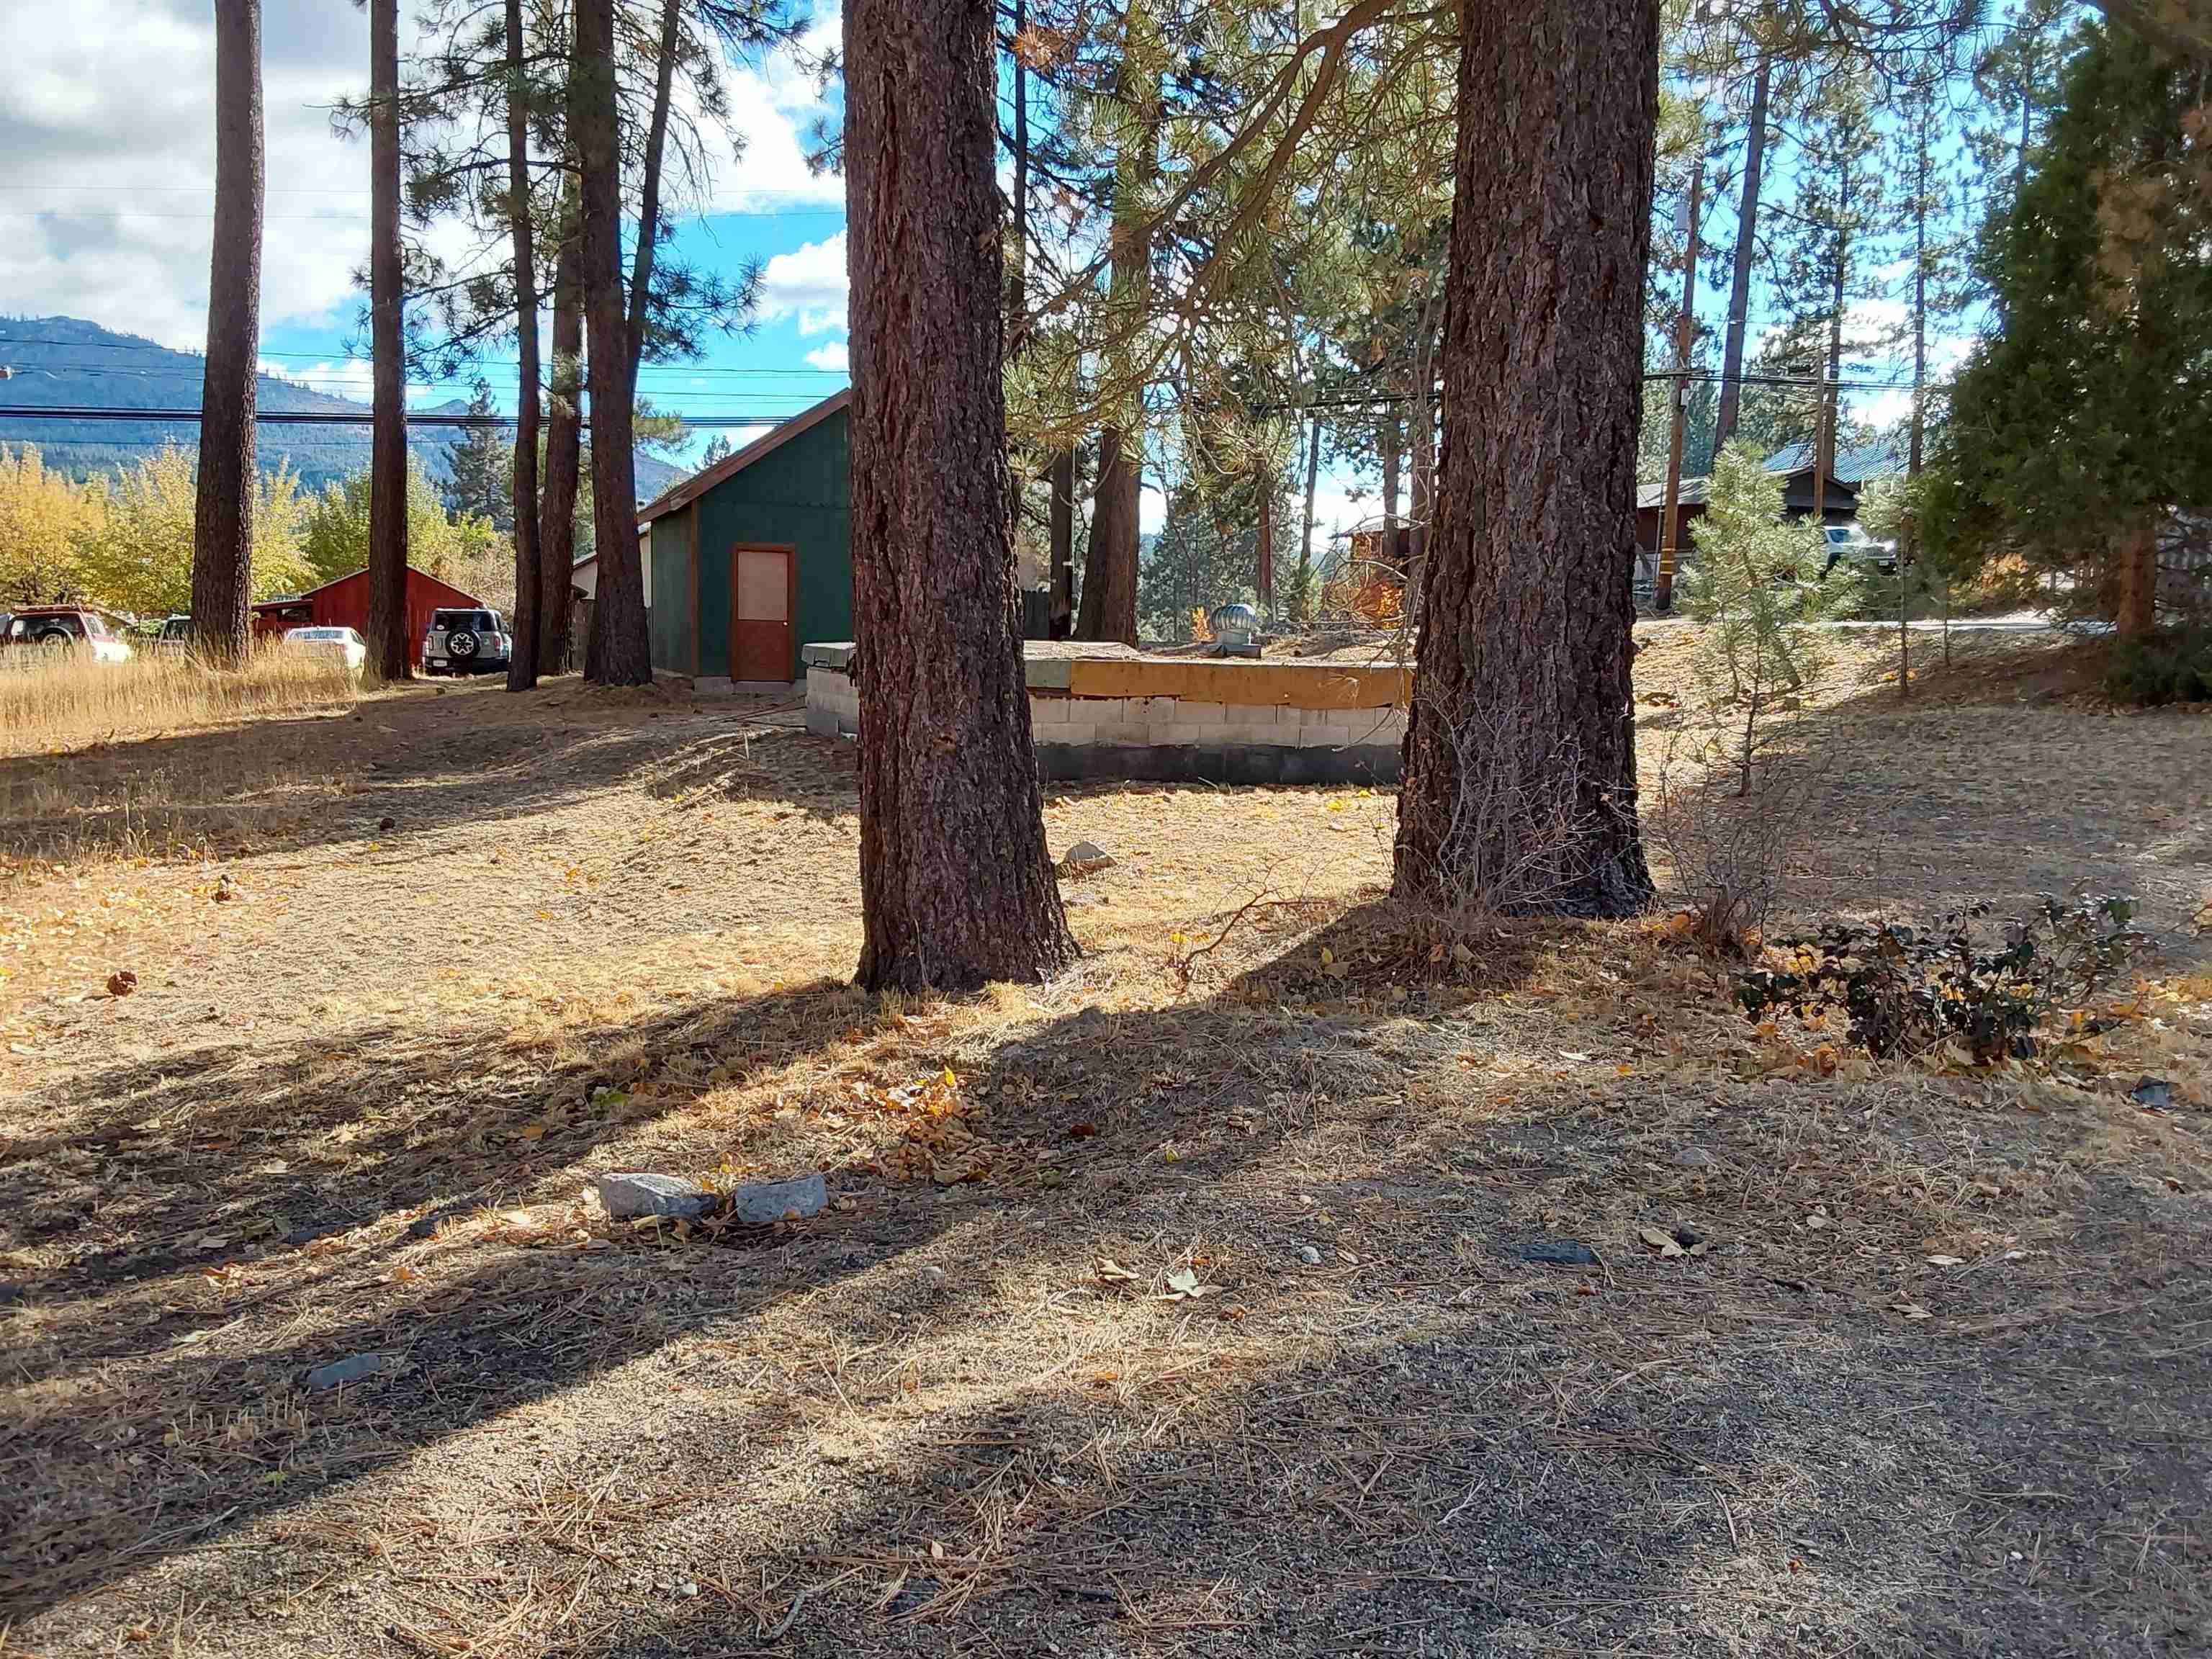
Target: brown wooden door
[{"x": 761, "y": 580}]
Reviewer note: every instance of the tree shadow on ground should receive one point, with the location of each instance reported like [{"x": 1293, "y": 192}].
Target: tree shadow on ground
[
  {"x": 203, "y": 1165},
  {"x": 933, "y": 1422}
]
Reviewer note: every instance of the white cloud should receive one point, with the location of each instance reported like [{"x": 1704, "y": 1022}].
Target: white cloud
[
  {"x": 809, "y": 283},
  {"x": 757, "y": 156},
  {"x": 108, "y": 113},
  {"x": 836, "y": 358}
]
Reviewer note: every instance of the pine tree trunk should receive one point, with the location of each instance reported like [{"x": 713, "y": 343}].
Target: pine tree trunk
[
  {"x": 1746, "y": 244},
  {"x": 1525, "y": 656},
  {"x": 564, "y": 436},
  {"x": 1823, "y": 456},
  {"x": 1908, "y": 547},
  {"x": 620, "y": 652},
  {"x": 1263, "y": 543},
  {"x": 1423, "y": 433},
  {"x": 1109, "y": 569},
  {"x": 222, "y": 516},
  {"x": 389, "y": 657},
  {"x": 1394, "y": 444},
  {"x": 957, "y": 888},
  {"x": 1301, "y": 595},
  {"x": 649, "y": 215},
  {"x": 529, "y": 579},
  {"x": 2136, "y": 613},
  {"x": 1062, "y": 477}
]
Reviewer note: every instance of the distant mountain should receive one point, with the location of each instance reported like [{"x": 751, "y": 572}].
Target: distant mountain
[{"x": 61, "y": 363}]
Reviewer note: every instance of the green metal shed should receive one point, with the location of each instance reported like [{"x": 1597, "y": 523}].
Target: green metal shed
[{"x": 752, "y": 557}]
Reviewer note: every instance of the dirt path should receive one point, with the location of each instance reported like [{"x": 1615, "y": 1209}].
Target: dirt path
[{"x": 1938, "y": 1384}]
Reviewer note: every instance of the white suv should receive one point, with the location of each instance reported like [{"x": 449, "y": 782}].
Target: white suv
[{"x": 464, "y": 641}]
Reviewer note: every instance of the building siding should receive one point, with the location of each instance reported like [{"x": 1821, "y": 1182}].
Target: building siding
[
  {"x": 669, "y": 622},
  {"x": 796, "y": 496}
]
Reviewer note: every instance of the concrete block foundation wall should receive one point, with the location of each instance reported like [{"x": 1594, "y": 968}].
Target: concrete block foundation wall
[{"x": 1294, "y": 725}]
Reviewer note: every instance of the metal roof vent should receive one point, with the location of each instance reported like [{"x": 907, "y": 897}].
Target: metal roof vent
[{"x": 1234, "y": 628}]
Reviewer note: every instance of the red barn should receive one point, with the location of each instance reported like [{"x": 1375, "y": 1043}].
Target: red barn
[{"x": 344, "y": 604}]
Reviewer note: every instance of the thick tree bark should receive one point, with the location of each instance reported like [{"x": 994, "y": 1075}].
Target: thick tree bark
[
  {"x": 1062, "y": 477},
  {"x": 222, "y": 516},
  {"x": 2135, "y": 615},
  {"x": 1522, "y": 695},
  {"x": 1109, "y": 569},
  {"x": 529, "y": 579},
  {"x": 389, "y": 657},
  {"x": 556, "y": 521},
  {"x": 955, "y": 886},
  {"x": 1746, "y": 241},
  {"x": 620, "y": 652},
  {"x": 649, "y": 213}
]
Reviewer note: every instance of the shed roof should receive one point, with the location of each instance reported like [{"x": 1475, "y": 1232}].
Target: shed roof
[
  {"x": 1694, "y": 493},
  {"x": 690, "y": 489}
]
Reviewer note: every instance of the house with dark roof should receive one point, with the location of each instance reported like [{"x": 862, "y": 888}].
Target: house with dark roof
[{"x": 1854, "y": 470}]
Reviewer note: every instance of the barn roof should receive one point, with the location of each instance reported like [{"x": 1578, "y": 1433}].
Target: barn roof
[
  {"x": 413, "y": 574},
  {"x": 690, "y": 489}
]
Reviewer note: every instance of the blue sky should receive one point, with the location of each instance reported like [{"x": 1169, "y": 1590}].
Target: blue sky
[{"x": 106, "y": 118}]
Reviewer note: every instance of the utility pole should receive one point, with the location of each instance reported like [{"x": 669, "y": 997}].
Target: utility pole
[{"x": 1686, "y": 334}]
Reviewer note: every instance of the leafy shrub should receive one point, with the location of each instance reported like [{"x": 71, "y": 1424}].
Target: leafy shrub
[
  {"x": 2172, "y": 665},
  {"x": 1907, "y": 991}
]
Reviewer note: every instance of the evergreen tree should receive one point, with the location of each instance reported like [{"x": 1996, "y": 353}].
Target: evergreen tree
[
  {"x": 1756, "y": 590},
  {"x": 480, "y": 470},
  {"x": 1831, "y": 245},
  {"x": 2079, "y": 425},
  {"x": 2015, "y": 81}
]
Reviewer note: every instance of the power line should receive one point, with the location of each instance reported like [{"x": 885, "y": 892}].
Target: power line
[
  {"x": 8, "y": 340},
  {"x": 328, "y": 418}
]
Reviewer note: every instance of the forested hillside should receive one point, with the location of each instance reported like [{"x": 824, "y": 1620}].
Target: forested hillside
[{"x": 64, "y": 362}]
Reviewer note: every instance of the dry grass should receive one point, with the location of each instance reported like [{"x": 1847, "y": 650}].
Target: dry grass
[
  {"x": 1937, "y": 1384},
  {"x": 63, "y": 793},
  {"x": 52, "y": 701}
]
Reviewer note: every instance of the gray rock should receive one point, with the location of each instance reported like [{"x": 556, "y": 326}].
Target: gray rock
[
  {"x": 1557, "y": 1253},
  {"x": 1085, "y": 857},
  {"x": 1310, "y": 1255},
  {"x": 1694, "y": 1158},
  {"x": 628, "y": 1196},
  {"x": 764, "y": 1201},
  {"x": 355, "y": 1368},
  {"x": 2152, "y": 1094}
]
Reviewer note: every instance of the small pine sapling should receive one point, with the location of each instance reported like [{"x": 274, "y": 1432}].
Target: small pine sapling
[{"x": 1758, "y": 588}]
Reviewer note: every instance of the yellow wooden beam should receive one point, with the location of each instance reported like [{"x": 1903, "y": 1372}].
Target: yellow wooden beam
[{"x": 1243, "y": 684}]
